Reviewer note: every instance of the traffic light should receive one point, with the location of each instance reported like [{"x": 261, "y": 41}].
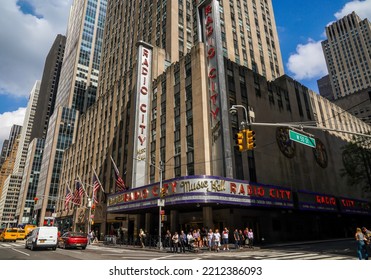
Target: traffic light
[
  {"x": 163, "y": 192},
  {"x": 35, "y": 200},
  {"x": 240, "y": 141},
  {"x": 250, "y": 139}
]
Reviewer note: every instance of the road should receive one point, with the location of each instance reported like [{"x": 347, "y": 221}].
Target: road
[{"x": 331, "y": 250}]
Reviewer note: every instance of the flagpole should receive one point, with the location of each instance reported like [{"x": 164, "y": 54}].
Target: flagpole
[
  {"x": 82, "y": 184},
  {"x": 96, "y": 176}
]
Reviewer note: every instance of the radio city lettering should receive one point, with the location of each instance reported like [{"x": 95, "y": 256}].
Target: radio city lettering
[
  {"x": 211, "y": 62},
  {"x": 327, "y": 200},
  {"x": 207, "y": 186},
  {"x": 143, "y": 91}
]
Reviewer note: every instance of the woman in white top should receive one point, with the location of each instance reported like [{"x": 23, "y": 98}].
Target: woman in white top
[
  {"x": 210, "y": 235},
  {"x": 216, "y": 240}
]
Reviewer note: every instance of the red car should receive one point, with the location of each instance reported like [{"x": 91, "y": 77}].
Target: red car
[{"x": 73, "y": 240}]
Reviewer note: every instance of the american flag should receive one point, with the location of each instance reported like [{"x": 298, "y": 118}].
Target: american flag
[
  {"x": 96, "y": 186},
  {"x": 78, "y": 193},
  {"x": 68, "y": 198},
  {"x": 120, "y": 184}
]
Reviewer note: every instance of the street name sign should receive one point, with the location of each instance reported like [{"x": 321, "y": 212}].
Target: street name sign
[{"x": 302, "y": 139}]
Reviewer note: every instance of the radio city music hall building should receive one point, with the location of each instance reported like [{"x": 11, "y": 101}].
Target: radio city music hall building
[{"x": 178, "y": 114}]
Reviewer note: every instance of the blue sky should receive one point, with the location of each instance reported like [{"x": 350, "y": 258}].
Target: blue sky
[{"x": 29, "y": 27}]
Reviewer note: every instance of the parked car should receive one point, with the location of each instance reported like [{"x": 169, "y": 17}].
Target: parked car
[
  {"x": 9, "y": 234},
  {"x": 21, "y": 234},
  {"x": 42, "y": 237},
  {"x": 73, "y": 240}
]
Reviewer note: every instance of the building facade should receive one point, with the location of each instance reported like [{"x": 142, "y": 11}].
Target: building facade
[
  {"x": 163, "y": 116},
  {"x": 76, "y": 93},
  {"x": 30, "y": 179},
  {"x": 347, "y": 54}
]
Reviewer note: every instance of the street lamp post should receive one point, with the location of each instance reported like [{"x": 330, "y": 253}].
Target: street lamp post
[
  {"x": 233, "y": 111},
  {"x": 89, "y": 213},
  {"x": 160, "y": 203}
]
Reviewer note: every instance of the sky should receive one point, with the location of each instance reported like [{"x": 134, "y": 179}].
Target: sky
[{"x": 28, "y": 29}]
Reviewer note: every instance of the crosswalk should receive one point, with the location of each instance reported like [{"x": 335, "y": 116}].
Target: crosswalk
[
  {"x": 12, "y": 244},
  {"x": 249, "y": 255}
]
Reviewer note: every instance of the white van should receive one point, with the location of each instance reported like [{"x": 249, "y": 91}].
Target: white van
[{"x": 43, "y": 237}]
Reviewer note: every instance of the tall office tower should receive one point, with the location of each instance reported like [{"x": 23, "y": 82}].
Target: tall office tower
[
  {"x": 44, "y": 109},
  {"x": 30, "y": 179},
  {"x": 76, "y": 93},
  {"x": 348, "y": 55},
  {"x": 28, "y": 123},
  {"x": 4, "y": 149},
  {"x": 7, "y": 148},
  {"x": 5, "y": 173},
  {"x": 48, "y": 87},
  {"x": 8, "y": 164}
]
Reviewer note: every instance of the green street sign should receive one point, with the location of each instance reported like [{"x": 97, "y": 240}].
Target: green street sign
[{"x": 302, "y": 139}]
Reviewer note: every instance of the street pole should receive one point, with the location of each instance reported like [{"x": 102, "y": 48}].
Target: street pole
[
  {"x": 160, "y": 202},
  {"x": 89, "y": 213}
]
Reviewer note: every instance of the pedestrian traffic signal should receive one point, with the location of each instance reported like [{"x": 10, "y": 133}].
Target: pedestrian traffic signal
[
  {"x": 241, "y": 141},
  {"x": 250, "y": 139},
  {"x": 35, "y": 200}
]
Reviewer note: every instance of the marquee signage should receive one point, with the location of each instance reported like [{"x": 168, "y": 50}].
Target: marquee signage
[
  {"x": 354, "y": 206},
  {"x": 316, "y": 201},
  {"x": 205, "y": 189},
  {"x": 144, "y": 80}
]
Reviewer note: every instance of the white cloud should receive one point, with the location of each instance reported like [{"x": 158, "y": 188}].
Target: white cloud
[
  {"x": 7, "y": 120},
  {"x": 26, "y": 40},
  {"x": 362, "y": 9},
  {"x": 308, "y": 62}
]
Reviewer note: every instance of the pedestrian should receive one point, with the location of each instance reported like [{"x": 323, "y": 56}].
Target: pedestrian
[
  {"x": 242, "y": 239},
  {"x": 210, "y": 235},
  {"x": 203, "y": 237},
  {"x": 182, "y": 241},
  {"x": 250, "y": 236},
  {"x": 216, "y": 240},
  {"x": 361, "y": 245},
  {"x": 245, "y": 233},
  {"x": 190, "y": 240},
  {"x": 225, "y": 237},
  {"x": 236, "y": 238},
  {"x": 175, "y": 239},
  {"x": 168, "y": 239},
  {"x": 142, "y": 236}
]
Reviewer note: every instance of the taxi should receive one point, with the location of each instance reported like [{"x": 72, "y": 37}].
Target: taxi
[
  {"x": 9, "y": 234},
  {"x": 21, "y": 234}
]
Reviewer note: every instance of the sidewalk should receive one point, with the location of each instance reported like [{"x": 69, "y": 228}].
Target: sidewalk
[
  {"x": 167, "y": 250},
  {"x": 231, "y": 246}
]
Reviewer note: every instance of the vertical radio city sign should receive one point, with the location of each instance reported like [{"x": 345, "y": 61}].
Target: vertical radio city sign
[
  {"x": 141, "y": 109},
  {"x": 209, "y": 27}
]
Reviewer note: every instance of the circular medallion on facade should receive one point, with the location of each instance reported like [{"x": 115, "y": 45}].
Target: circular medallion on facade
[
  {"x": 320, "y": 154},
  {"x": 286, "y": 145}
]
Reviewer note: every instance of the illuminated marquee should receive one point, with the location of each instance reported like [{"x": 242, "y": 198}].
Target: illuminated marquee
[
  {"x": 205, "y": 188},
  {"x": 144, "y": 80}
]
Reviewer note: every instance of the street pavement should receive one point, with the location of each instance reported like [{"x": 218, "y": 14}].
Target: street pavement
[{"x": 326, "y": 250}]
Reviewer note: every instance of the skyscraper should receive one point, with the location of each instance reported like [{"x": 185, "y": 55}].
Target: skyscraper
[
  {"x": 76, "y": 92},
  {"x": 8, "y": 144},
  {"x": 28, "y": 123},
  {"x": 48, "y": 87},
  {"x": 347, "y": 53}
]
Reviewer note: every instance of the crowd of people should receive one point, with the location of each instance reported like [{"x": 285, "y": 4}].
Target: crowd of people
[
  {"x": 363, "y": 238},
  {"x": 209, "y": 239}
]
